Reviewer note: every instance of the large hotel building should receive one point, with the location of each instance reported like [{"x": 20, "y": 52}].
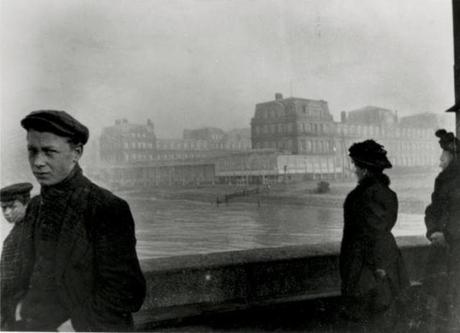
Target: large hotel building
[{"x": 290, "y": 138}]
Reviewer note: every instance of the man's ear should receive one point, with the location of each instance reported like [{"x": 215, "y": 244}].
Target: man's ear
[{"x": 78, "y": 150}]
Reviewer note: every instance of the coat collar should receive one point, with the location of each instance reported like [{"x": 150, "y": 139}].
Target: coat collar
[
  {"x": 451, "y": 172},
  {"x": 73, "y": 180},
  {"x": 373, "y": 179}
]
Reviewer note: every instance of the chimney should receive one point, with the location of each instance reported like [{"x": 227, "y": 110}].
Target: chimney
[
  {"x": 278, "y": 96},
  {"x": 117, "y": 122},
  {"x": 149, "y": 123}
]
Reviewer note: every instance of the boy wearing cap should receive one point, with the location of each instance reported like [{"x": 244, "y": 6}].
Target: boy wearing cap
[
  {"x": 84, "y": 264},
  {"x": 14, "y": 200}
]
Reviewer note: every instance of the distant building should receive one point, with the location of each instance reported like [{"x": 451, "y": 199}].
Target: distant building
[
  {"x": 181, "y": 149},
  {"x": 262, "y": 166},
  {"x": 305, "y": 127},
  {"x": 124, "y": 142},
  {"x": 217, "y": 139},
  {"x": 372, "y": 115},
  {"x": 408, "y": 143},
  {"x": 131, "y": 155},
  {"x": 209, "y": 134},
  {"x": 428, "y": 120},
  {"x": 293, "y": 125},
  {"x": 146, "y": 174},
  {"x": 289, "y": 139}
]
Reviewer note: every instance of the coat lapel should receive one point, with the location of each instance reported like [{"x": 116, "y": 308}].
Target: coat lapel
[{"x": 73, "y": 236}]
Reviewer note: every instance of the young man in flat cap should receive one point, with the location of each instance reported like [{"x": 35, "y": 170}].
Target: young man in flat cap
[
  {"x": 84, "y": 265},
  {"x": 14, "y": 200}
]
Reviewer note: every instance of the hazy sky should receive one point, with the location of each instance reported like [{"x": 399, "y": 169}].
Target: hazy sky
[{"x": 192, "y": 63}]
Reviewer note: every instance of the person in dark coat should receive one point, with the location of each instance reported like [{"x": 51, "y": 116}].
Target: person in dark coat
[
  {"x": 371, "y": 266},
  {"x": 14, "y": 200},
  {"x": 442, "y": 219},
  {"x": 81, "y": 262}
]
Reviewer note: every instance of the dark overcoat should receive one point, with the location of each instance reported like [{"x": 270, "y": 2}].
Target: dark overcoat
[
  {"x": 443, "y": 215},
  {"x": 97, "y": 271},
  {"x": 370, "y": 212},
  {"x": 12, "y": 282}
]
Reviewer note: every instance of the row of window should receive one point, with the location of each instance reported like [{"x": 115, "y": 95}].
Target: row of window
[
  {"x": 293, "y": 128},
  {"x": 306, "y": 146},
  {"x": 141, "y": 134},
  {"x": 370, "y": 131},
  {"x": 184, "y": 146},
  {"x": 346, "y": 130},
  {"x": 281, "y": 113},
  {"x": 130, "y": 157},
  {"x": 416, "y": 160}
]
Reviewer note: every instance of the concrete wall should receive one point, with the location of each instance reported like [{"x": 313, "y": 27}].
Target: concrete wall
[{"x": 193, "y": 285}]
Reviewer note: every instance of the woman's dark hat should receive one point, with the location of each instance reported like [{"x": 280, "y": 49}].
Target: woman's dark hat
[
  {"x": 57, "y": 122},
  {"x": 448, "y": 141},
  {"x": 370, "y": 154},
  {"x": 12, "y": 192}
]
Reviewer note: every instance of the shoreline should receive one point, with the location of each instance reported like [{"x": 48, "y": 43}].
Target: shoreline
[{"x": 280, "y": 194}]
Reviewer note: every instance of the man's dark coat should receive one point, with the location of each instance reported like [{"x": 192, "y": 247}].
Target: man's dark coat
[
  {"x": 370, "y": 212},
  {"x": 443, "y": 215},
  {"x": 12, "y": 286},
  {"x": 99, "y": 279}
]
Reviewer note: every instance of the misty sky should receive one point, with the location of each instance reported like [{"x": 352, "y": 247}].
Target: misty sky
[{"x": 192, "y": 63}]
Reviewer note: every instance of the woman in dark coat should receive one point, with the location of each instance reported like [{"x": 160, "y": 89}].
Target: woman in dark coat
[
  {"x": 442, "y": 219},
  {"x": 371, "y": 265}
]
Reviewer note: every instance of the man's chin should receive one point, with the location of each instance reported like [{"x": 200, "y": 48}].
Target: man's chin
[{"x": 45, "y": 182}]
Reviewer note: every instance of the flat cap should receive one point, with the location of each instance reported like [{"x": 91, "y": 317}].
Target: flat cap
[
  {"x": 57, "y": 122},
  {"x": 11, "y": 192},
  {"x": 370, "y": 154}
]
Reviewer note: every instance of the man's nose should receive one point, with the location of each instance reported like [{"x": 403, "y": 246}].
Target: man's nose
[{"x": 38, "y": 160}]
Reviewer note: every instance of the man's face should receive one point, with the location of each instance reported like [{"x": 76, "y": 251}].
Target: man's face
[
  {"x": 14, "y": 211},
  {"x": 51, "y": 157}
]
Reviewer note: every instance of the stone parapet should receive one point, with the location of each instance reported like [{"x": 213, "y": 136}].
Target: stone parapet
[{"x": 194, "y": 285}]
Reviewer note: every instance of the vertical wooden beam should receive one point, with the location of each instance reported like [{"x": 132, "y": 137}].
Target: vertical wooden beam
[{"x": 456, "y": 28}]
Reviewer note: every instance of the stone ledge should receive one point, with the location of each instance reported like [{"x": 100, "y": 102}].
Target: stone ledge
[{"x": 198, "y": 285}]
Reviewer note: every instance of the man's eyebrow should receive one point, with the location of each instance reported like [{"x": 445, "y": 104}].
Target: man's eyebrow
[{"x": 51, "y": 147}]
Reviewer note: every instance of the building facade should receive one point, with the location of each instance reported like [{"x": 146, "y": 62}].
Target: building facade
[
  {"x": 293, "y": 125},
  {"x": 305, "y": 127},
  {"x": 289, "y": 138},
  {"x": 124, "y": 142}
]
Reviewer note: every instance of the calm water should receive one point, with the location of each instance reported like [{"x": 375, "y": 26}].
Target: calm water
[{"x": 168, "y": 228}]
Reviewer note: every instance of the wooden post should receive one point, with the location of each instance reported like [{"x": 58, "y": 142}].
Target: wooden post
[{"x": 456, "y": 26}]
